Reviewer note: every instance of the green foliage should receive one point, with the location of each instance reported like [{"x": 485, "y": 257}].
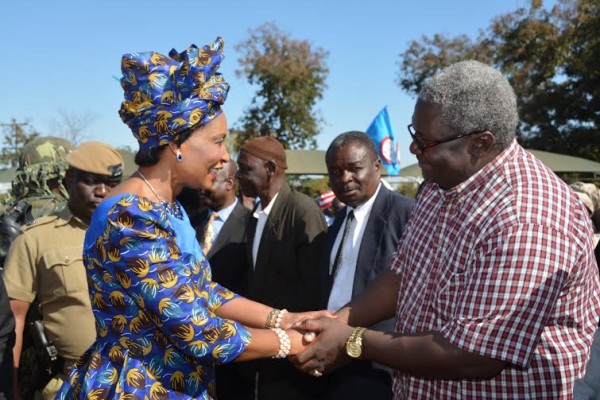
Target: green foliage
[
  {"x": 16, "y": 135},
  {"x": 550, "y": 57},
  {"x": 309, "y": 186},
  {"x": 409, "y": 189},
  {"x": 290, "y": 78}
]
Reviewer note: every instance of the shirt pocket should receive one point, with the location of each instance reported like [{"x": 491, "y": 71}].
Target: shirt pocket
[
  {"x": 64, "y": 271},
  {"x": 451, "y": 286}
]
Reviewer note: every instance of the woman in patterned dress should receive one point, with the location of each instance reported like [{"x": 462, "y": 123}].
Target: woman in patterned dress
[{"x": 162, "y": 324}]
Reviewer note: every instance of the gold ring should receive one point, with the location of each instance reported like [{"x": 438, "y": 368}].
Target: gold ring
[{"x": 316, "y": 373}]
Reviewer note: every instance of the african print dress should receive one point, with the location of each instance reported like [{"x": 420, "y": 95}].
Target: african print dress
[{"x": 154, "y": 302}]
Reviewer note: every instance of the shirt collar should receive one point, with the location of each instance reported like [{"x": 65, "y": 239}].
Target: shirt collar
[
  {"x": 484, "y": 175},
  {"x": 65, "y": 216},
  {"x": 267, "y": 210},
  {"x": 224, "y": 213}
]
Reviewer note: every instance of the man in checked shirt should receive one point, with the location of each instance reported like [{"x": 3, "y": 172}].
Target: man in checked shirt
[{"x": 494, "y": 285}]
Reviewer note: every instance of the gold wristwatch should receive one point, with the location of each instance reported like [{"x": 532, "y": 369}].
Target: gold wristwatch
[{"x": 354, "y": 344}]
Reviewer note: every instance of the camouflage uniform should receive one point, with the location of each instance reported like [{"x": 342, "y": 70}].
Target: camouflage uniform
[
  {"x": 41, "y": 165},
  {"x": 589, "y": 194}
]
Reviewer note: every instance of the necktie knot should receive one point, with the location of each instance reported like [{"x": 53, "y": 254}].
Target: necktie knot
[{"x": 350, "y": 216}]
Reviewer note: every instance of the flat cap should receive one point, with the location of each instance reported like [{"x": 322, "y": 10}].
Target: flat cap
[
  {"x": 268, "y": 149},
  {"x": 97, "y": 158}
]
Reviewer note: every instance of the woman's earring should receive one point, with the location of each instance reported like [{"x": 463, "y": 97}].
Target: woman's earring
[{"x": 179, "y": 156}]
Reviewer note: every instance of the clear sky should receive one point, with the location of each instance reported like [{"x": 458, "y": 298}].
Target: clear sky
[{"x": 63, "y": 54}]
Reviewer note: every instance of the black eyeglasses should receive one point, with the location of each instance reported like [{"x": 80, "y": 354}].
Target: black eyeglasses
[{"x": 424, "y": 146}]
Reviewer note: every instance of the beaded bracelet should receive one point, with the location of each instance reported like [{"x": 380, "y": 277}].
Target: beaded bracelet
[
  {"x": 285, "y": 345},
  {"x": 269, "y": 321},
  {"x": 279, "y": 318}
]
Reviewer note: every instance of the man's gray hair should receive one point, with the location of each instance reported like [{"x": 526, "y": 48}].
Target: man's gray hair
[{"x": 474, "y": 97}]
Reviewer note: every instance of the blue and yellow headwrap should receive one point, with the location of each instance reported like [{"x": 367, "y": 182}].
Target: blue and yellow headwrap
[{"x": 167, "y": 95}]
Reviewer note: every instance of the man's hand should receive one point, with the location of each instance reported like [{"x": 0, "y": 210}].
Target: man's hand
[
  {"x": 295, "y": 320},
  {"x": 327, "y": 350}
]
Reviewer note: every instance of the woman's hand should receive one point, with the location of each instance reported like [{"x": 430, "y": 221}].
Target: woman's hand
[
  {"x": 293, "y": 320},
  {"x": 298, "y": 341}
]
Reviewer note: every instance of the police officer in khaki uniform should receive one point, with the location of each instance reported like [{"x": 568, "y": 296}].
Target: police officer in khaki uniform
[{"x": 45, "y": 260}]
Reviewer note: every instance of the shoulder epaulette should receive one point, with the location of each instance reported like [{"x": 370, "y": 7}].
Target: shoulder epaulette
[{"x": 46, "y": 219}]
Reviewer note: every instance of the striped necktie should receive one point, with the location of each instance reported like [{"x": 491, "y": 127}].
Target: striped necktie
[
  {"x": 209, "y": 233},
  {"x": 338, "y": 256}
]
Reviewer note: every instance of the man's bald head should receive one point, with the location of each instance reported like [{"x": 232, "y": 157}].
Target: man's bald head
[
  {"x": 222, "y": 192},
  {"x": 229, "y": 170}
]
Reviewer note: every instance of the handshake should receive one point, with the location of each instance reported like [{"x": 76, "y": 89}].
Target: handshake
[{"x": 322, "y": 341}]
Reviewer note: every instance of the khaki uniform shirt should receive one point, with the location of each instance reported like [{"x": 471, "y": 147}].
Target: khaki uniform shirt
[{"x": 46, "y": 261}]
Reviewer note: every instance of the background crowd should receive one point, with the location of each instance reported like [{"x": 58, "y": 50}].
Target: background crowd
[{"x": 486, "y": 284}]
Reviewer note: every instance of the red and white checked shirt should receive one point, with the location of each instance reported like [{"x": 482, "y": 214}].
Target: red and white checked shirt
[{"x": 503, "y": 266}]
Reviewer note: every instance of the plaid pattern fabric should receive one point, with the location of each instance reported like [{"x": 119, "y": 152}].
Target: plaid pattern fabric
[{"x": 502, "y": 266}]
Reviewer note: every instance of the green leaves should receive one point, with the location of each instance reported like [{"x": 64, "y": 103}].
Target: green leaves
[
  {"x": 550, "y": 57},
  {"x": 289, "y": 76},
  {"x": 16, "y": 135}
]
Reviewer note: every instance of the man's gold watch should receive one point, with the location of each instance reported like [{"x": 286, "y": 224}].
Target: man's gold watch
[{"x": 354, "y": 344}]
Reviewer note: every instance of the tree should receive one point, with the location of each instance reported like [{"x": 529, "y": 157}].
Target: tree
[
  {"x": 72, "y": 125},
  {"x": 548, "y": 55},
  {"x": 290, "y": 75},
  {"x": 308, "y": 185},
  {"x": 16, "y": 135}
]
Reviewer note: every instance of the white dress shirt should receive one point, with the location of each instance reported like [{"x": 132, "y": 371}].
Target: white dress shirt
[
  {"x": 221, "y": 218},
  {"x": 341, "y": 292},
  {"x": 261, "y": 215}
]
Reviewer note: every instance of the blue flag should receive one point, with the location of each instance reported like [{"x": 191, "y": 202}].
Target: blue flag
[{"x": 382, "y": 134}]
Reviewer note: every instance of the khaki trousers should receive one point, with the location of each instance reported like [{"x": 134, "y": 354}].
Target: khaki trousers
[{"x": 51, "y": 389}]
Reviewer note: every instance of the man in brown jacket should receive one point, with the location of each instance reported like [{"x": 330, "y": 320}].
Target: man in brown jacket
[{"x": 285, "y": 243}]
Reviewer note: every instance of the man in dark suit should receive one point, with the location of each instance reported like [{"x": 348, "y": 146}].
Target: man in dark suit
[
  {"x": 223, "y": 237},
  {"x": 285, "y": 243},
  {"x": 359, "y": 246}
]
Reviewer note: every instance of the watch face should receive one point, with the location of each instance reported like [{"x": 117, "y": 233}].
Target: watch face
[{"x": 353, "y": 349}]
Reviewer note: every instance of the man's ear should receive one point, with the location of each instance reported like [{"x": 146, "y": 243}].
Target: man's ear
[
  {"x": 377, "y": 165},
  {"x": 271, "y": 167},
  {"x": 482, "y": 144}
]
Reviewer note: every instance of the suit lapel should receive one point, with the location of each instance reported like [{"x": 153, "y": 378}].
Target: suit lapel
[
  {"x": 271, "y": 230},
  {"x": 332, "y": 233},
  {"x": 333, "y": 230},
  {"x": 225, "y": 232},
  {"x": 374, "y": 230}
]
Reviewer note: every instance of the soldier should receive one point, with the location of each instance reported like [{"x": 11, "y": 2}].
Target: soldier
[
  {"x": 37, "y": 188},
  {"x": 45, "y": 261}
]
